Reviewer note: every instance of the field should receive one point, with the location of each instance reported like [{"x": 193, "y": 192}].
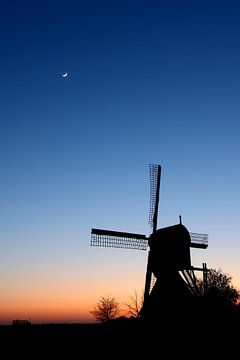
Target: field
[{"x": 123, "y": 337}]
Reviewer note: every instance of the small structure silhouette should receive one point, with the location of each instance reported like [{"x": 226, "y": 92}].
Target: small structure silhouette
[
  {"x": 170, "y": 276},
  {"x": 21, "y": 322}
]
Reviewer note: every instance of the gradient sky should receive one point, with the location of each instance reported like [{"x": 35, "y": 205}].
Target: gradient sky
[{"x": 149, "y": 82}]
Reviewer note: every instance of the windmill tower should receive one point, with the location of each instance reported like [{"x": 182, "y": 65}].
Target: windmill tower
[{"x": 170, "y": 276}]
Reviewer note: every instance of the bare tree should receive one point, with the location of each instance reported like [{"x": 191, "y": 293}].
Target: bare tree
[
  {"x": 135, "y": 305},
  {"x": 107, "y": 308}
]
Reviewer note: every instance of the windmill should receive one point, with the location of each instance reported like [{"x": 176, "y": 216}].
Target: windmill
[{"x": 169, "y": 273}]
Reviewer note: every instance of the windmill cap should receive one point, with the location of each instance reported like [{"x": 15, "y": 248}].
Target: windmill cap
[{"x": 171, "y": 232}]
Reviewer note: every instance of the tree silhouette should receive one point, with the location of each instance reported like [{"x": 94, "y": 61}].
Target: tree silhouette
[
  {"x": 135, "y": 305},
  {"x": 219, "y": 289},
  {"x": 107, "y": 308}
]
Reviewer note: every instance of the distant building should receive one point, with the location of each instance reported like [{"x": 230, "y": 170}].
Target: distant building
[{"x": 20, "y": 322}]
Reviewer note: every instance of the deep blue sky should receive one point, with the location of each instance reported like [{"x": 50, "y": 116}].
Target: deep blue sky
[{"x": 149, "y": 82}]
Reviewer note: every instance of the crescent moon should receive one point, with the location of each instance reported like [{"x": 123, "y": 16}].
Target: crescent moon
[{"x": 65, "y": 75}]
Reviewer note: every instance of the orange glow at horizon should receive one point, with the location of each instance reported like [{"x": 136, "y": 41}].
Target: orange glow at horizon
[
  {"x": 50, "y": 310},
  {"x": 66, "y": 301},
  {"x": 47, "y": 309}
]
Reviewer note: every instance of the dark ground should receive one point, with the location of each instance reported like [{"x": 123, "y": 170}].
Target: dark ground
[{"x": 163, "y": 339}]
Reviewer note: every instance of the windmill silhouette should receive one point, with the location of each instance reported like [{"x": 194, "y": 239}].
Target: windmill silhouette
[{"x": 170, "y": 276}]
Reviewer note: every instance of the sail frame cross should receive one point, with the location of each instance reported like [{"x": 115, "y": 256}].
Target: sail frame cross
[{"x": 127, "y": 240}]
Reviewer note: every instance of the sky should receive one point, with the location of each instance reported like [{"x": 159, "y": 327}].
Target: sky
[{"x": 148, "y": 82}]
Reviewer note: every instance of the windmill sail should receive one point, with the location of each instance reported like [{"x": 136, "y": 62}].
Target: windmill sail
[
  {"x": 199, "y": 241},
  {"x": 117, "y": 239},
  {"x": 155, "y": 174}
]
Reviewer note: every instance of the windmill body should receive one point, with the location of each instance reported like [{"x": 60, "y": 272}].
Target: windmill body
[
  {"x": 172, "y": 279},
  {"x": 170, "y": 276}
]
